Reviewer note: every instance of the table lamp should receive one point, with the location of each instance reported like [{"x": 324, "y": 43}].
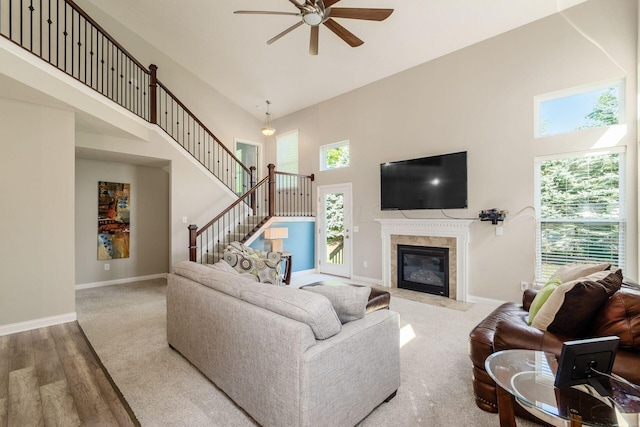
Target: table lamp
[{"x": 275, "y": 235}]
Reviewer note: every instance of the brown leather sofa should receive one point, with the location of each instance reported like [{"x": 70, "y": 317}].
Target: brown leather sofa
[{"x": 507, "y": 328}]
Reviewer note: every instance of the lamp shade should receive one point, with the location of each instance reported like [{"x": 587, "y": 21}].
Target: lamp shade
[{"x": 276, "y": 233}]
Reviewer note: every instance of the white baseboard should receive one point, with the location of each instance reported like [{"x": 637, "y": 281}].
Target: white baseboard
[
  {"x": 303, "y": 272},
  {"x": 368, "y": 280},
  {"x": 494, "y": 302},
  {"x": 37, "y": 323},
  {"x": 120, "y": 281}
]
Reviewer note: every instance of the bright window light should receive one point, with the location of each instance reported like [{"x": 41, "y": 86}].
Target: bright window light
[
  {"x": 333, "y": 156},
  {"x": 406, "y": 334},
  {"x": 572, "y": 110}
]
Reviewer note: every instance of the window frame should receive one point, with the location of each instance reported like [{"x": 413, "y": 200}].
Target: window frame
[
  {"x": 538, "y": 100},
  {"x": 323, "y": 154},
  {"x": 622, "y": 216}
]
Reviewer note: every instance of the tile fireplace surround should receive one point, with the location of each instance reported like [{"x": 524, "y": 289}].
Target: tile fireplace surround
[{"x": 446, "y": 233}]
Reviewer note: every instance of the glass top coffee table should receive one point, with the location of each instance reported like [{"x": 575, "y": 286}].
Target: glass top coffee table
[{"x": 527, "y": 376}]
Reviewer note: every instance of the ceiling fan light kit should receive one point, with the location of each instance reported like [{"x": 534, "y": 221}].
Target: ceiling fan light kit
[
  {"x": 318, "y": 12},
  {"x": 267, "y": 129}
]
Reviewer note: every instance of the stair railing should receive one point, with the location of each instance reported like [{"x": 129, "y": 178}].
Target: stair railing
[
  {"x": 278, "y": 194},
  {"x": 62, "y": 34}
]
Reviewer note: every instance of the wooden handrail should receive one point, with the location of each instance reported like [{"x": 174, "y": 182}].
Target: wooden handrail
[
  {"x": 195, "y": 119},
  {"x": 223, "y": 228},
  {"x": 233, "y": 205},
  {"x": 77, "y": 45},
  {"x": 312, "y": 176},
  {"x": 104, "y": 65},
  {"x": 105, "y": 33}
]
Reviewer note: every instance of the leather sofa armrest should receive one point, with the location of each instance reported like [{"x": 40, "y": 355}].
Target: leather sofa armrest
[
  {"x": 514, "y": 334},
  {"x": 527, "y": 298}
]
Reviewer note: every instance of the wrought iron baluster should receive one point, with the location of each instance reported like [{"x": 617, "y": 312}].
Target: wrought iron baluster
[
  {"x": 21, "y": 21},
  {"x": 31, "y": 9}
]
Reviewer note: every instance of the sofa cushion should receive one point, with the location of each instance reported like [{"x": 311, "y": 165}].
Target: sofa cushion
[
  {"x": 542, "y": 296},
  {"x": 222, "y": 281},
  {"x": 349, "y": 302},
  {"x": 620, "y": 316},
  {"x": 225, "y": 267},
  {"x": 310, "y": 308},
  {"x": 575, "y": 271},
  {"x": 572, "y": 306}
]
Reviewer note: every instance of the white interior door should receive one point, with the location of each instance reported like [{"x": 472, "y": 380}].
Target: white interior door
[{"x": 334, "y": 229}]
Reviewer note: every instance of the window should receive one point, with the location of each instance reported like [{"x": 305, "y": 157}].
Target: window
[
  {"x": 287, "y": 158},
  {"x": 580, "y": 205},
  {"x": 334, "y": 156},
  {"x": 577, "y": 109}
]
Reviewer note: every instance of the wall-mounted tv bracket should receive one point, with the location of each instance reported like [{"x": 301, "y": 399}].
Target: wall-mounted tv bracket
[{"x": 493, "y": 215}]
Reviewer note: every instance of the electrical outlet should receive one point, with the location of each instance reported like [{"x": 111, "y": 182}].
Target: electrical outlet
[
  {"x": 524, "y": 285},
  {"x": 365, "y": 264},
  {"x": 184, "y": 220},
  {"x": 499, "y": 231},
  {"x": 107, "y": 266}
]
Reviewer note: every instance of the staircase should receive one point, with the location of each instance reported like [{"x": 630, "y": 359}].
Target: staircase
[
  {"x": 62, "y": 34},
  {"x": 278, "y": 194}
]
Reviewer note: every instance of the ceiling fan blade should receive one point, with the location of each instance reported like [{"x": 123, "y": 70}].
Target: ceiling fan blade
[
  {"x": 285, "y": 32},
  {"x": 343, "y": 33},
  {"x": 263, "y": 12},
  {"x": 313, "y": 42},
  {"x": 361, "y": 13},
  {"x": 296, "y": 4},
  {"x": 329, "y": 3}
]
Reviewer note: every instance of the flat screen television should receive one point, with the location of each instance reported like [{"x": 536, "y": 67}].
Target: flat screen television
[{"x": 436, "y": 182}]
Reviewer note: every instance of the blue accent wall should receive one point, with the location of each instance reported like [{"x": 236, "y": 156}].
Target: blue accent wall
[{"x": 301, "y": 243}]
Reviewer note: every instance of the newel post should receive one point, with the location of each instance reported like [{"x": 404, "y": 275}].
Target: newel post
[
  {"x": 153, "y": 97},
  {"x": 193, "y": 229},
  {"x": 272, "y": 189}
]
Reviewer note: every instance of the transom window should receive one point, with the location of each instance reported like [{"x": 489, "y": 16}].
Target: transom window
[
  {"x": 576, "y": 109},
  {"x": 580, "y": 205},
  {"x": 334, "y": 156}
]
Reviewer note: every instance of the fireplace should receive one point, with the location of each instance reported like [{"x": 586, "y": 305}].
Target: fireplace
[{"x": 424, "y": 269}]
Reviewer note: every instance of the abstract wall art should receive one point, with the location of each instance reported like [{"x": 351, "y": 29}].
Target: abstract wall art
[{"x": 114, "y": 200}]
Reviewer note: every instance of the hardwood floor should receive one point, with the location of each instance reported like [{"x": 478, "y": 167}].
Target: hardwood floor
[{"x": 52, "y": 377}]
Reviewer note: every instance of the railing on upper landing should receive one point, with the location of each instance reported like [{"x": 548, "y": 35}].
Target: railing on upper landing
[{"x": 62, "y": 34}]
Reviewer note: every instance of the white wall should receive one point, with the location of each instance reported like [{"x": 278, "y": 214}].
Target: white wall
[
  {"x": 149, "y": 216},
  {"x": 36, "y": 218},
  {"x": 193, "y": 192},
  {"x": 220, "y": 114},
  {"x": 479, "y": 99}
]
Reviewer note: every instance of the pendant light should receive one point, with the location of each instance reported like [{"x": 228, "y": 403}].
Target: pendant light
[{"x": 267, "y": 129}]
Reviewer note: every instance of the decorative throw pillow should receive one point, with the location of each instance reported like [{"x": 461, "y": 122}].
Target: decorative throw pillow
[
  {"x": 349, "y": 302},
  {"x": 542, "y": 296},
  {"x": 575, "y": 271},
  {"x": 224, "y": 266},
  {"x": 306, "y": 307},
  {"x": 571, "y": 307}
]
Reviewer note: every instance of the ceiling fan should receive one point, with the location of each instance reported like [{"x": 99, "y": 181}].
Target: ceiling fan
[{"x": 316, "y": 12}]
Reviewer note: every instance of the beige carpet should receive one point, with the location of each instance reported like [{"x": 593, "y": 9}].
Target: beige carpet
[{"x": 126, "y": 325}]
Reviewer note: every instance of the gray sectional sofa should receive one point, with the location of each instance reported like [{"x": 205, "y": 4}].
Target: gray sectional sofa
[{"x": 281, "y": 353}]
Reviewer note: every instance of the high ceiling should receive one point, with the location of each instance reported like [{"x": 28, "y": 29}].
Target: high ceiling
[{"x": 230, "y": 52}]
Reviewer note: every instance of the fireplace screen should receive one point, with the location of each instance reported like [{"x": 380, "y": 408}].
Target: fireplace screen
[{"x": 424, "y": 269}]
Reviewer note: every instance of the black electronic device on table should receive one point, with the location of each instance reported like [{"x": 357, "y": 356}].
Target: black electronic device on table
[{"x": 587, "y": 362}]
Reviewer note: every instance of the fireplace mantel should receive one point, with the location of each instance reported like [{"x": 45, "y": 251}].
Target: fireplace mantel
[{"x": 454, "y": 228}]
